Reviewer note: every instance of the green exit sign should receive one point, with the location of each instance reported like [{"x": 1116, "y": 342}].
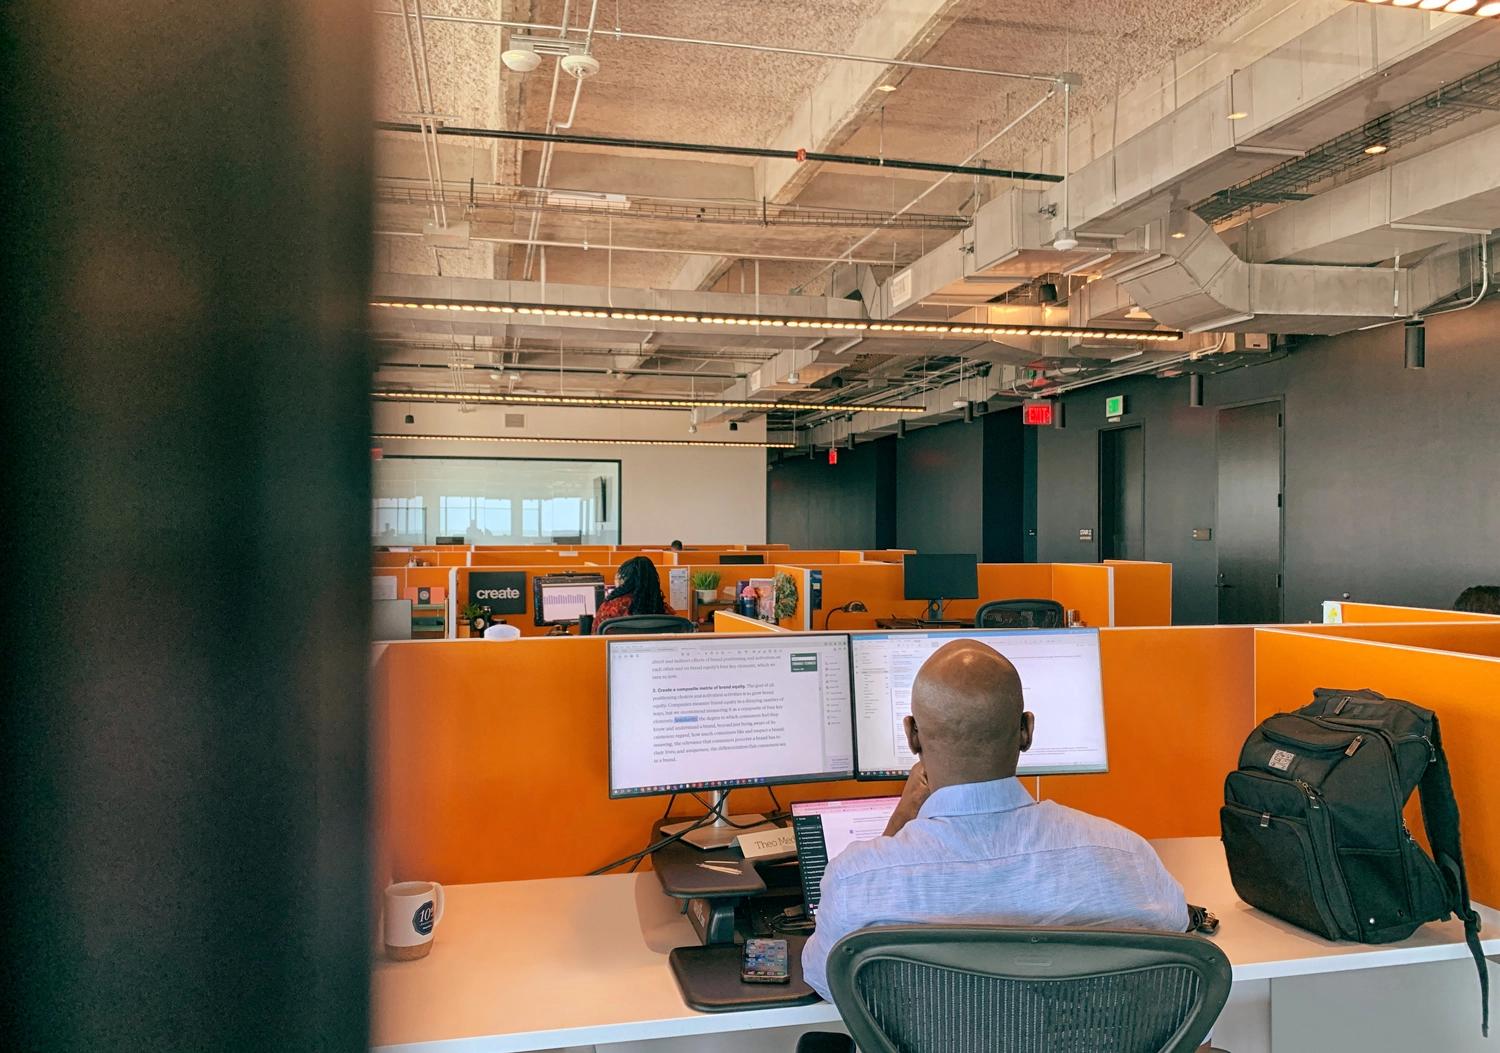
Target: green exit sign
[{"x": 1114, "y": 406}]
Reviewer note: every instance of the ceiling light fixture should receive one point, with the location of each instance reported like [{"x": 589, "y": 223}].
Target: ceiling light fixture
[
  {"x": 1478, "y": 8},
  {"x": 642, "y": 402},
  {"x": 1238, "y": 115},
  {"x": 530, "y": 311},
  {"x": 1376, "y": 149},
  {"x": 887, "y": 88},
  {"x": 535, "y": 439}
]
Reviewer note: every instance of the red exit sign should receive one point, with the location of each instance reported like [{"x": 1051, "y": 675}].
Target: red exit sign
[{"x": 1037, "y": 414}]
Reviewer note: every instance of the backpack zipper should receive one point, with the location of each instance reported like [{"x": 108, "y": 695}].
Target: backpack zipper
[{"x": 1341, "y": 905}]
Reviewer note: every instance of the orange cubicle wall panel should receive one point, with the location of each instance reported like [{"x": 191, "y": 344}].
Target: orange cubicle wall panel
[
  {"x": 1379, "y": 612},
  {"x": 1462, "y": 689},
  {"x": 1480, "y": 636},
  {"x": 1087, "y": 588},
  {"x": 1143, "y": 592},
  {"x": 492, "y": 763},
  {"x": 1178, "y": 705}
]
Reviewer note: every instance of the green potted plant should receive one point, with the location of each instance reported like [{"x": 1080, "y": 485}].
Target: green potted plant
[
  {"x": 706, "y": 584},
  {"x": 467, "y": 617}
]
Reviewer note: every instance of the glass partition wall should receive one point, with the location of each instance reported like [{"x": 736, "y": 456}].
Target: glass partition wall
[{"x": 495, "y": 501}]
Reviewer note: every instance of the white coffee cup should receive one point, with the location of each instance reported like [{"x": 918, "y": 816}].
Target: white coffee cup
[{"x": 412, "y": 912}]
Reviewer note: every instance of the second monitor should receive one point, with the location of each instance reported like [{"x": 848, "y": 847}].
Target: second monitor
[{"x": 1060, "y": 680}]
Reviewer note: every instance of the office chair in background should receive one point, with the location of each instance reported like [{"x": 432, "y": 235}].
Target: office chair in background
[
  {"x": 1020, "y": 614},
  {"x": 978, "y": 988},
  {"x": 644, "y": 624}
]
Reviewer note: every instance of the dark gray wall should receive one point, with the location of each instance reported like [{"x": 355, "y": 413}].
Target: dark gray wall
[
  {"x": 1392, "y": 475},
  {"x": 952, "y": 487},
  {"x": 813, "y": 504},
  {"x": 939, "y": 489}
]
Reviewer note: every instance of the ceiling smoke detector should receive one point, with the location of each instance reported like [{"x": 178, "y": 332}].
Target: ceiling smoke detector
[
  {"x": 580, "y": 66},
  {"x": 1065, "y": 241}
]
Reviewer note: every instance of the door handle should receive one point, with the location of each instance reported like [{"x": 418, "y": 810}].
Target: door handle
[{"x": 1222, "y": 584}]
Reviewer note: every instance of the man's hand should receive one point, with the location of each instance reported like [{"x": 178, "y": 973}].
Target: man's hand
[{"x": 913, "y": 795}]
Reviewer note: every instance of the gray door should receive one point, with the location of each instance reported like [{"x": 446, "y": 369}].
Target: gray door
[
  {"x": 1122, "y": 494},
  {"x": 1249, "y": 522}
]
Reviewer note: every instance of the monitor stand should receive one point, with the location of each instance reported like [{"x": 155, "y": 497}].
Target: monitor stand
[
  {"x": 719, "y": 833},
  {"x": 935, "y": 609}
]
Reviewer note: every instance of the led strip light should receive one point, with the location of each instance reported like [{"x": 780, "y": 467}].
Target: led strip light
[
  {"x": 534, "y": 439},
  {"x": 611, "y": 402},
  {"x": 851, "y": 325},
  {"x": 1478, "y": 8}
]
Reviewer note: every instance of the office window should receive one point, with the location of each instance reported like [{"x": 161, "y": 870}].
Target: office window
[
  {"x": 489, "y": 501},
  {"x": 398, "y": 521}
]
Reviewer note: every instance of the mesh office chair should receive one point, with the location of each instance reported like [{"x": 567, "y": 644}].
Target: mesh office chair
[
  {"x": 643, "y": 624},
  {"x": 989, "y": 989},
  {"x": 1020, "y": 614}
]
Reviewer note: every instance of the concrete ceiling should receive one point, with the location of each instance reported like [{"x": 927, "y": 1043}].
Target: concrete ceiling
[{"x": 1150, "y": 54}]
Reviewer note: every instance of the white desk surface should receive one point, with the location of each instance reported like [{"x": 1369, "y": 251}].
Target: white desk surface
[{"x": 526, "y": 965}]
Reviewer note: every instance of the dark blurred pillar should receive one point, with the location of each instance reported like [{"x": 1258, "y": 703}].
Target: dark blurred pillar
[{"x": 185, "y": 535}]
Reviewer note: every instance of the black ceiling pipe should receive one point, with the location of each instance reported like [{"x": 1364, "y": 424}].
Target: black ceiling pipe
[{"x": 737, "y": 151}]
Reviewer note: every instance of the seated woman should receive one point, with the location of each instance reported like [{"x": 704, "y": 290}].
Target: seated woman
[{"x": 637, "y": 591}]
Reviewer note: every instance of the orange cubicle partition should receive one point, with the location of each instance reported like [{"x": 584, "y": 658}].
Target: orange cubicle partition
[
  {"x": 1143, "y": 592},
  {"x": 492, "y": 765},
  {"x": 1351, "y": 613},
  {"x": 1462, "y": 689}
]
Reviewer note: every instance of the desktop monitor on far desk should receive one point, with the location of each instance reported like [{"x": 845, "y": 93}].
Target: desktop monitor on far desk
[
  {"x": 561, "y": 599},
  {"x": 939, "y": 578},
  {"x": 1060, "y": 680},
  {"x": 717, "y": 713},
  {"x": 747, "y": 558}
]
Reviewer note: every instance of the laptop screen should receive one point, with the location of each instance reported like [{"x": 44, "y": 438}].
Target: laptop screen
[{"x": 823, "y": 829}]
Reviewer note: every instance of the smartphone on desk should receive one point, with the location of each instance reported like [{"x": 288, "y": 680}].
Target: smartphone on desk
[{"x": 764, "y": 962}]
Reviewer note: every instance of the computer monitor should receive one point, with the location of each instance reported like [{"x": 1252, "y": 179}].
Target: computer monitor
[
  {"x": 822, "y": 830},
  {"x": 390, "y": 620},
  {"x": 733, "y": 558},
  {"x": 937, "y": 578},
  {"x": 560, "y": 599},
  {"x": 716, "y": 713},
  {"x": 1060, "y": 681},
  {"x": 449, "y": 539}
]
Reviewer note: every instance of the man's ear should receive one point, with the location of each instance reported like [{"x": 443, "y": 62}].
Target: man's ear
[
  {"x": 1028, "y": 726},
  {"x": 912, "y": 738}
]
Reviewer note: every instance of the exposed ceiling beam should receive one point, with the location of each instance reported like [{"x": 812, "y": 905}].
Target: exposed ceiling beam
[{"x": 835, "y": 107}]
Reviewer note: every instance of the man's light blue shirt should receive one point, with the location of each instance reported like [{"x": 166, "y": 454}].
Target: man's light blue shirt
[{"x": 986, "y": 852}]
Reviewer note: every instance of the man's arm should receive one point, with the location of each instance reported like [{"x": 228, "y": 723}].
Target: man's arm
[{"x": 913, "y": 794}]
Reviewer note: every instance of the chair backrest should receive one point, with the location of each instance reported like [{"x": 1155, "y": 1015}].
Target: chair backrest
[
  {"x": 1020, "y": 614},
  {"x": 643, "y": 624},
  {"x": 981, "y": 988}
]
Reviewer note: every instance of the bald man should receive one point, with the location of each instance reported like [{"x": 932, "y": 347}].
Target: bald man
[{"x": 968, "y": 844}]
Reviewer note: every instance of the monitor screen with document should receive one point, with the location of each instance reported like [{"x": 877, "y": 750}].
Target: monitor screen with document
[
  {"x": 1060, "y": 680},
  {"x": 823, "y": 829},
  {"x": 716, "y": 712}
]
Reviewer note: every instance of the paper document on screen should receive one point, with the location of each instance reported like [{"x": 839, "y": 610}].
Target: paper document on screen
[
  {"x": 734, "y": 710},
  {"x": 1060, "y": 684}
]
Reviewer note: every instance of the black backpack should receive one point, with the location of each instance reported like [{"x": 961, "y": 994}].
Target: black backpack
[{"x": 1313, "y": 829}]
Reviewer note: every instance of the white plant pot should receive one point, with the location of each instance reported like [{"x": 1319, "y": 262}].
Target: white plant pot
[{"x": 707, "y": 595}]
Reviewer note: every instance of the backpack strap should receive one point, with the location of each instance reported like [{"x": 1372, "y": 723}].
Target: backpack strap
[{"x": 1440, "y": 817}]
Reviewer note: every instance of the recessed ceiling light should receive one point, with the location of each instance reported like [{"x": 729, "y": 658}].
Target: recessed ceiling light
[
  {"x": 1375, "y": 149},
  {"x": 1238, "y": 115},
  {"x": 1179, "y": 235},
  {"x": 886, "y": 87}
]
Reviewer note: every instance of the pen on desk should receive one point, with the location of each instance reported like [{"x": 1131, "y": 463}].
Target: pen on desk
[{"x": 721, "y": 868}]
